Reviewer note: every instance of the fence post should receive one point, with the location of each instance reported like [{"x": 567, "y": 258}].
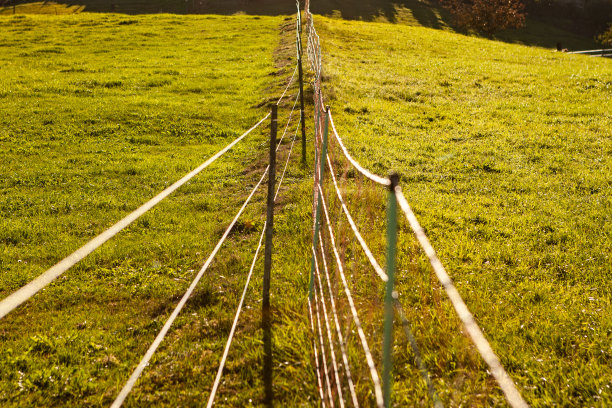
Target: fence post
[
  {"x": 266, "y": 320},
  {"x": 270, "y": 210},
  {"x": 301, "y": 79},
  {"x": 389, "y": 301},
  {"x": 315, "y": 237}
]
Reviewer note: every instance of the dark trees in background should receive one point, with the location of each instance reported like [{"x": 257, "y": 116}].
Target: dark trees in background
[{"x": 487, "y": 16}]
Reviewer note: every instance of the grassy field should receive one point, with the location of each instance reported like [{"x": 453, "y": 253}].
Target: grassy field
[
  {"x": 504, "y": 152},
  {"x": 99, "y": 113}
]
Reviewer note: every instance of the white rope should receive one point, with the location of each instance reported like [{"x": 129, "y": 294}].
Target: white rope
[
  {"x": 288, "y": 157},
  {"x": 231, "y": 335},
  {"x": 316, "y": 353},
  {"x": 329, "y": 336},
  {"x": 362, "y": 242},
  {"x": 145, "y": 360},
  {"x": 211, "y": 398},
  {"x": 29, "y": 290},
  {"x": 364, "y": 342},
  {"x": 375, "y": 178},
  {"x": 288, "y": 85},
  {"x": 322, "y": 343},
  {"x": 347, "y": 367},
  {"x": 484, "y": 348}
]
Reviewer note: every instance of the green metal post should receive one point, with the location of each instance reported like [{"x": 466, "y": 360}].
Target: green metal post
[
  {"x": 315, "y": 238},
  {"x": 387, "y": 345}
]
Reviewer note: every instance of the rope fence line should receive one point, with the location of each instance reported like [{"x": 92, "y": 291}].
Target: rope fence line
[
  {"x": 323, "y": 354},
  {"x": 328, "y": 331},
  {"x": 138, "y": 371},
  {"x": 24, "y": 293},
  {"x": 484, "y": 348},
  {"x": 513, "y": 396},
  {"x": 316, "y": 354},
  {"x": 345, "y": 360},
  {"x": 364, "y": 342},
  {"x": 213, "y": 392},
  {"x": 288, "y": 85},
  {"x": 246, "y": 285},
  {"x": 147, "y": 357},
  {"x": 362, "y": 242}
]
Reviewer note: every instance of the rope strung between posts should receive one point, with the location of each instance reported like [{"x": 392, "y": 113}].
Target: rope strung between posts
[
  {"x": 288, "y": 85},
  {"x": 145, "y": 360},
  {"x": 362, "y": 337},
  {"x": 316, "y": 354},
  {"x": 288, "y": 157},
  {"x": 213, "y": 392},
  {"x": 513, "y": 396},
  {"x": 323, "y": 354},
  {"x": 24, "y": 293},
  {"x": 327, "y": 325},
  {"x": 362, "y": 242},
  {"x": 484, "y": 348},
  {"x": 233, "y": 329},
  {"x": 375, "y": 178},
  {"x": 347, "y": 367}
]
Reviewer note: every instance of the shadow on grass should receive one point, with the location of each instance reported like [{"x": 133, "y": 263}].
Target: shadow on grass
[{"x": 427, "y": 13}]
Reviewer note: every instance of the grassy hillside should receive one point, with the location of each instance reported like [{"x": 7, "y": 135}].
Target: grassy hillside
[
  {"x": 98, "y": 114},
  {"x": 505, "y": 153}
]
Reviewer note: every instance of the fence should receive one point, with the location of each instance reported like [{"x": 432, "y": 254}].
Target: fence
[
  {"x": 20, "y": 296},
  {"x": 381, "y": 386},
  {"x": 324, "y": 313},
  {"x": 595, "y": 53}
]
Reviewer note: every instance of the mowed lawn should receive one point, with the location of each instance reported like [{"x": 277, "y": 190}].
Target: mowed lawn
[
  {"x": 98, "y": 114},
  {"x": 505, "y": 153}
]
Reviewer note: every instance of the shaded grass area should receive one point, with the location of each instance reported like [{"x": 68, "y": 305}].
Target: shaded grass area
[
  {"x": 504, "y": 153},
  {"x": 539, "y": 31},
  {"x": 99, "y": 114}
]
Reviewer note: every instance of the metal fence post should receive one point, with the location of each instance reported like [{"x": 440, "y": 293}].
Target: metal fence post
[
  {"x": 315, "y": 237},
  {"x": 387, "y": 345}
]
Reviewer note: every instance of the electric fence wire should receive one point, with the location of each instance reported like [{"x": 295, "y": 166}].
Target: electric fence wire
[
  {"x": 145, "y": 360},
  {"x": 362, "y": 242},
  {"x": 24, "y": 293},
  {"x": 361, "y": 333},
  {"x": 417, "y": 353},
  {"x": 347, "y": 367},
  {"x": 137, "y": 372},
  {"x": 233, "y": 329},
  {"x": 513, "y": 396},
  {"x": 316, "y": 354},
  {"x": 213, "y": 392},
  {"x": 323, "y": 354},
  {"x": 288, "y": 85},
  {"x": 375, "y": 178},
  {"x": 328, "y": 331}
]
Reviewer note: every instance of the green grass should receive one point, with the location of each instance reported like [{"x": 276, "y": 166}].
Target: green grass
[
  {"x": 505, "y": 154},
  {"x": 99, "y": 114}
]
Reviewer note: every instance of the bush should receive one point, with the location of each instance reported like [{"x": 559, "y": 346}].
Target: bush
[
  {"x": 606, "y": 37},
  {"x": 488, "y": 16}
]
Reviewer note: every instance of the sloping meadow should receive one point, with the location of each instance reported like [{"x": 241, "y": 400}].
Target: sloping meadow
[
  {"x": 505, "y": 153},
  {"x": 98, "y": 114}
]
